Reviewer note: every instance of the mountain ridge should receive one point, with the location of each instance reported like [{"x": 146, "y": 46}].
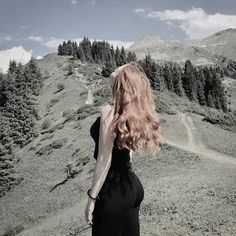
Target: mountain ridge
[
  {"x": 162, "y": 49},
  {"x": 221, "y": 43}
]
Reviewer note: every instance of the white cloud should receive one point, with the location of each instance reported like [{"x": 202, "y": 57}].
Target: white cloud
[
  {"x": 19, "y": 54},
  {"x": 23, "y": 26},
  {"x": 54, "y": 42},
  {"x": 35, "y": 38},
  {"x": 8, "y": 38},
  {"x": 119, "y": 44},
  {"x": 39, "y": 57},
  {"x": 5, "y": 37},
  {"x": 93, "y": 2},
  {"x": 139, "y": 10},
  {"x": 196, "y": 23},
  {"x": 74, "y": 2}
]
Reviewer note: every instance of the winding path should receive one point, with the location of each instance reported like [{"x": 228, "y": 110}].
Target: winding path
[
  {"x": 78, "y": 77},
  {"x": 195, "y": 143}
]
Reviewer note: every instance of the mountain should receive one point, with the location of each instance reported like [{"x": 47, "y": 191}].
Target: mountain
[
  {"x": 221, "y": 43},
  {"x": 163, "y": 50},
  {"x": 209, "y": 51}
]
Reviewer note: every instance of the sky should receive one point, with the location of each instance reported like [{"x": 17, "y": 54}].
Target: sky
[{"x": 36, "y": 27}]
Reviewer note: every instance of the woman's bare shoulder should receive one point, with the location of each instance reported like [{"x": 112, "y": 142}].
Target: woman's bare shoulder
[{"x": 105, "y": 109}]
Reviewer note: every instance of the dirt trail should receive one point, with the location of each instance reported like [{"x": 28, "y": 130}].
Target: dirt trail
[
  {"x": 195, "y": 143},
  {"x": 78, "y": 77}
]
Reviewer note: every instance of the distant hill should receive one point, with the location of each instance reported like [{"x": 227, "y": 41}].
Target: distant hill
[
  {"x": 208, "y": 51},
  {"x": 163, "y": 50},
  {"x": 221, "y": 43}
]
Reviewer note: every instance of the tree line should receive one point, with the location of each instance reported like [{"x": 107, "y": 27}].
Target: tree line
[
  {"x": 198, "y": 83},
  {"x": 201, "y": 84},
  {"x": 18, "y": 88},
  {"x": 96, "y": 52}
]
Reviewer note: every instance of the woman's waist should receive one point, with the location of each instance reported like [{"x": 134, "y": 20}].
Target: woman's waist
[{"x": 120, "y": 172}]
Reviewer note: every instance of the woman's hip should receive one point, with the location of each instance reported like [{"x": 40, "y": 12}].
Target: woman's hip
[{"x": 122, "y": 184}]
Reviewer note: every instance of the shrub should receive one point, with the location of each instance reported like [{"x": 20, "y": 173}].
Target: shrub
[
  {"x": 46, "y": 124},
  {"x": 60, "y": 87},
  {"x": 86, "y": 111}
]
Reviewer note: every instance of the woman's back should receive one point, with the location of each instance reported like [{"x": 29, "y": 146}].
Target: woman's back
[{"x": 121, "y": 164}]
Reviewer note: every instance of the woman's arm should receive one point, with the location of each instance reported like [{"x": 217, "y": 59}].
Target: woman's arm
[
  {"x": 131, "y": 155},
  {"x": 105, "y": 146}
]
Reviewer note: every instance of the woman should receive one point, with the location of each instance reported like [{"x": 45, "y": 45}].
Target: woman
[{"x": 129, "y": 124}]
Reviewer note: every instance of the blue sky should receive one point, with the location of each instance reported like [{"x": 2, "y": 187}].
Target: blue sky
[{"x": 30, "y": 27}]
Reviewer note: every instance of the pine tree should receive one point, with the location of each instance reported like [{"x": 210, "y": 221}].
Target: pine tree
[
  {"x": 131, "y": 56},
  {"x": 20, "y": 80},
  {"x": 200, "y": 87},
  {"x": 117, "y": 55},
  {"x": 74, "y": 46},
  {"x": 33, "y": 76},
  {"x": 189, "y": 81},
  {"x": 65, "y": 50},
  {"x": 85, "y": 44},
  {"x": 161, "y": 78},
  {"x": 177, "y": 81},
  {"x": 95, "y": 50},
  {"x": 80, "y": 53},
  {"x": 3, "y": 94},
  {"x": 146, "y": 63},
  {"x": 168, "y": 78},
  {"x": 108, "y": 68},
  {"x": 12, "y": 66},
  {"x": 60, "y": 50},
  {"x": 16, "y": 115},
  {"x": 218, "y": 92},
  {"x": 113, "y": 56},
  {"x": 74, "y": 55},
  {"x": 210, "y": 101},
  {"x": 69, "y": 47},
  {"x": 154, "y": 77},
  {"x": 121, "y": 60}
]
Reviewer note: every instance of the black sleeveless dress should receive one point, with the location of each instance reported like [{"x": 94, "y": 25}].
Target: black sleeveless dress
[
  {"x": 116, "y": 212},
  {"x": 121, "y": 166}
]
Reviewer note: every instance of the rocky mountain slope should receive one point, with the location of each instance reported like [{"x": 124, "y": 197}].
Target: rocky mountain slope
[{"x": 221, "y": 43}]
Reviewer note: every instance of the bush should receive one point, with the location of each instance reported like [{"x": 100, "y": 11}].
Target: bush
[
  {"x": 70, "y": 69},
  {"x": 69, "y": 114},
  {"x": 53, "y": 102},
  {"x": 46, "y": 124},
  {"x": 226, "y": 120},
  {"x": 102, "y": 96},
  {"x": 35, "y": 112},
  {"x": 60, "y": 87},
  {"x": 86, "y": 110}
]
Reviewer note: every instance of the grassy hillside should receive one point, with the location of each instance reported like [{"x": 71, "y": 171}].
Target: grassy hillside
[{"x": 186, "y": 192}]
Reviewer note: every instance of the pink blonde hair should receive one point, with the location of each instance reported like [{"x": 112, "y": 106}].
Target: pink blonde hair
[{"x": 135, "y": 120}]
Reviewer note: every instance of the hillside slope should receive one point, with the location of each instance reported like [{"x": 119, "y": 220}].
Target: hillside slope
[
  {"x": 221, "y": 43},
  {"x": 185, "y": 191},
  {"x": 163, "y": 50}
]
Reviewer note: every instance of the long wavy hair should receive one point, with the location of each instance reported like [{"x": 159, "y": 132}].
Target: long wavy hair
[{"x": 135, "y": 123}]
